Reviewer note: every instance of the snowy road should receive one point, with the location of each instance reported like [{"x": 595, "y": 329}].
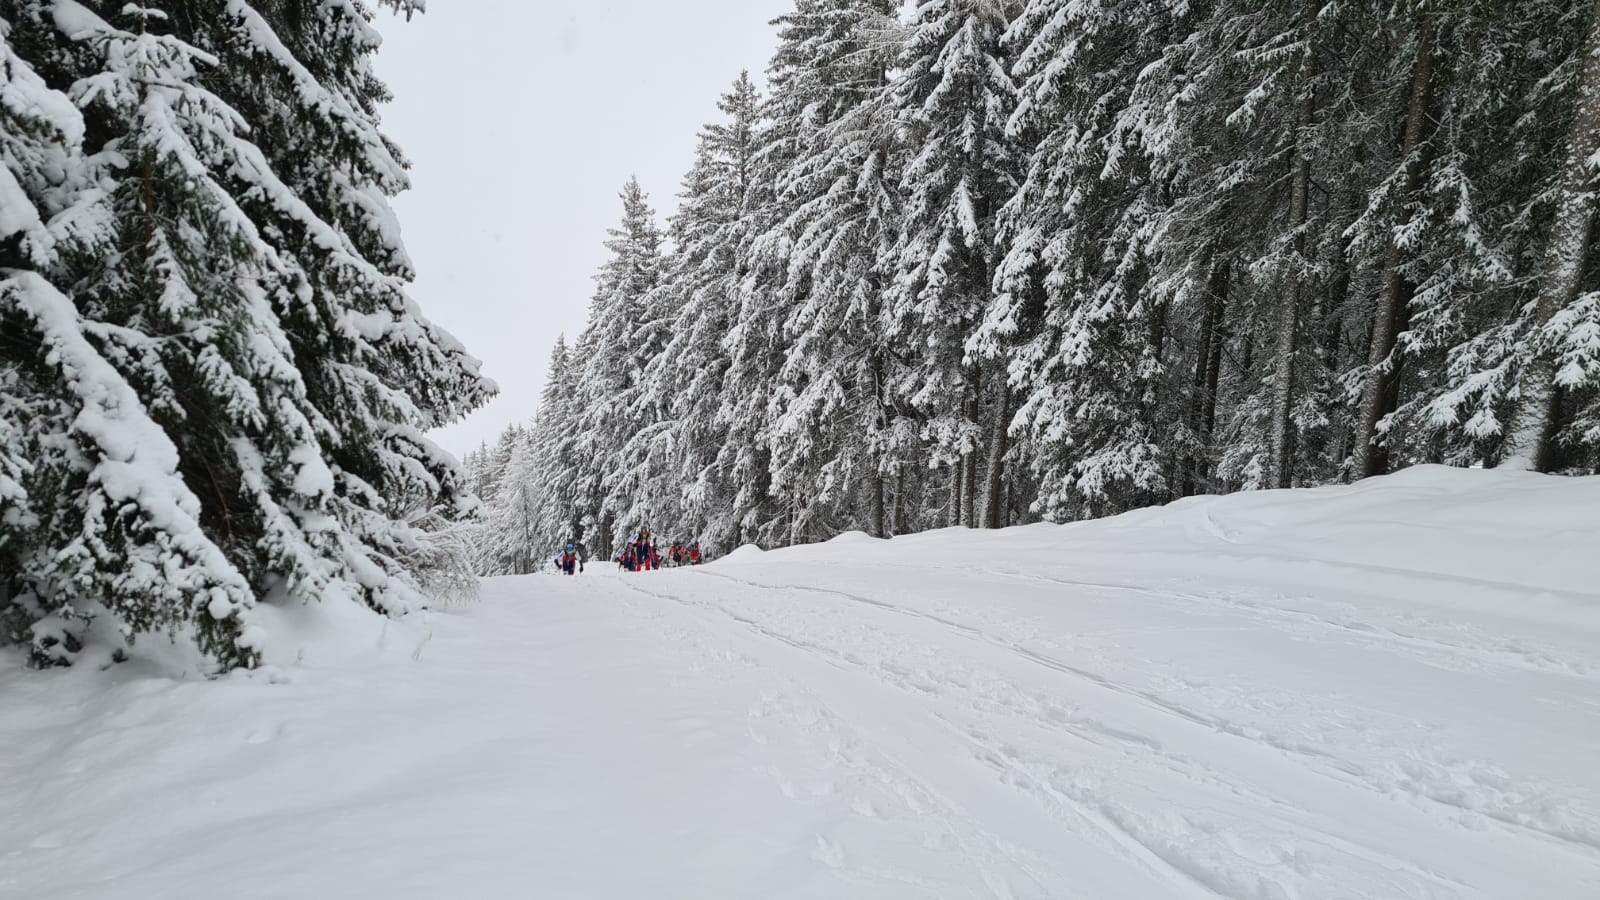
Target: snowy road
[{"x": 1339, "y": 695}]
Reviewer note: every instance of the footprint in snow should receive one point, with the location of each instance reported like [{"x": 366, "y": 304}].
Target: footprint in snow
[
  {"x": 50, "y": 840},
  {"x": 828, "y": 853},
  {"x": 265, "y": 734}
]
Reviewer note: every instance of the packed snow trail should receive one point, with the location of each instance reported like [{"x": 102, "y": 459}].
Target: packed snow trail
[{"x": 1390, "y": 690}]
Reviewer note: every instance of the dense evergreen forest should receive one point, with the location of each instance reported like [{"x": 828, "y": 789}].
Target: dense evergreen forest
[
  {"x": 999, "y": 261},
  {"x": 214, "y": 388}
]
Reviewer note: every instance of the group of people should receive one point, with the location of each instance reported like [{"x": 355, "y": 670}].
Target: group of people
[
  {"x": 638, "y": 555},
  {"x": 642, "y": 555}
]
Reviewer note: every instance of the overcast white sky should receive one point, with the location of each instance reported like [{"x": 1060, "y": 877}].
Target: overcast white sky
[{"x": 522, "y": 119}]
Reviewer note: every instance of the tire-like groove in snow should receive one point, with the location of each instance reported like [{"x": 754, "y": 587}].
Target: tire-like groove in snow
[
  {"x": 1325, "y": 765},
  {"x": 1139, "y": 852},
  {"x": 898, "y": 770}
]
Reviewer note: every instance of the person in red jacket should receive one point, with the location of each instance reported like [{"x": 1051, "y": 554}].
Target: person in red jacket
[
  {"x": 694, "y": 553},
  {"x": 644, "y": 551},
  {"x": 568, "y": 560}
]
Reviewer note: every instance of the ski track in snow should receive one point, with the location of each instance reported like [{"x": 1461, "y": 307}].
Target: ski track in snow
[
  {"x": 998, "y": 847},
  {"x": 1589, "y": 837},
  {"x": 1425, "y": 778},
  {"x": 1484, "y": 652}
]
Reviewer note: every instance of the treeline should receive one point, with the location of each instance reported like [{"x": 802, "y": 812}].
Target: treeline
[
  {"x": 214, "y": 388},
  {"x": 1013, "y": 260}
]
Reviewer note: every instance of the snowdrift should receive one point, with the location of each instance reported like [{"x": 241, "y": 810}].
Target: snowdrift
[
  {"x": 1384, "y": 690},
  {"x": 1515, "y": 545}
]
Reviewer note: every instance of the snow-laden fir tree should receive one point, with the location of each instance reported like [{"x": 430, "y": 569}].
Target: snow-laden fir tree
[
  {"x": 554, "y": 434},
  {"x": 93, "y": 511},
  {"x": 510, "y": 541},
  {"x": 710, "y": 234},
  {"x": 616, "y": 397},
  {"x": 953, "y": 100},
  {"x": 755, "y": 344},
  {"x": 1535, "y": 379},
  {"x": 266, "y": 350},
  {"x": 836, "y": 464},
  {"x": 1073, "y": 313}
]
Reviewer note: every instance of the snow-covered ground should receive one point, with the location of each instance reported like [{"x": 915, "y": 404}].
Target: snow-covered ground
[{"x": 1390, "y": 690}]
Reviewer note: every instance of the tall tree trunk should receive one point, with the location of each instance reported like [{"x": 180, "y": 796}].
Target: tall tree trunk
[
  {"x": 1203, "y": 385},
  {"x": 969, "y": 462},
  {"x": 1530, "y": 442},
  {"x": 899, "y": 524},
  {"x": 1332, "y": 347},
  {"x": 881, "y": 412},
  {"x": 1219, "y": 335},
  {"x": 957, "y": 491},
  {"x": 1380, "y": 395},
  {"x": 999, "y": 445},
  {"x": 1281, "y": 462},
  {"x": 1010, "y": 500},
  {"x": 878, "y": 529}
]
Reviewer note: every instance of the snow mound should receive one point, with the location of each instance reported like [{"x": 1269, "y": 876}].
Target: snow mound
[
  {"x": 852, "y": 537},
  {"x": 746, "y": 554},
  {"x": 1516, "y": 544}
]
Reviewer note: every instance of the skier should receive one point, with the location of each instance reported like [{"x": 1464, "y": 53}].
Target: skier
[
  {"x": 568, "y": 560},
  {"x": 675, "y": 555},
  {"x": 644, "y": 551},
  {"x": 583, "y": 553},
  {"x": 626, "y": 560},
  {"x": 694, "y": 553}
]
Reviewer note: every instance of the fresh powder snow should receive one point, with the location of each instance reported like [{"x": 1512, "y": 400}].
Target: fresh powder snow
[{"x": 1380, "y": 691}]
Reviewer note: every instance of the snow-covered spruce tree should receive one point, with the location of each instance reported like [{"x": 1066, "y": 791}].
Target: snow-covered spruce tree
[
  {"x": 378, "y": 373},
  {"x": 1505, "y": 86},
  {"x": 1152, "y": 241},
  {"x": 832, "y": 426},
  {"x": 1396, "y": 214},
  {"x": 1435, "y": 231},
  {"x": 1285, "y": 110},
  {"x": 953, "y": 100},
  {"x": 642, "y": 490},
  {"x": 1252, "y": 101},
  {"x": 1074, "y": 311},
  {"x": 559, "y": 514},
  {"x": 475, "y": 465},
  {"x": 496, "y": 548},
  {"x": 288, "y": 373},
  {"x": 166, "y": 284},
  {"x": 709, "y": 231},
  {"x": 615, "y": 399},
  {"x": 41, "y": 136},
  {"x": 93, "y": 513},
  {"x": 1253, "y": 132},
  {"x": 511, "y": 543},
  {"x": 487, "y": 470},
  {"x": 1563, "y": 356},
  {"x": 755, "y": 343}
]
